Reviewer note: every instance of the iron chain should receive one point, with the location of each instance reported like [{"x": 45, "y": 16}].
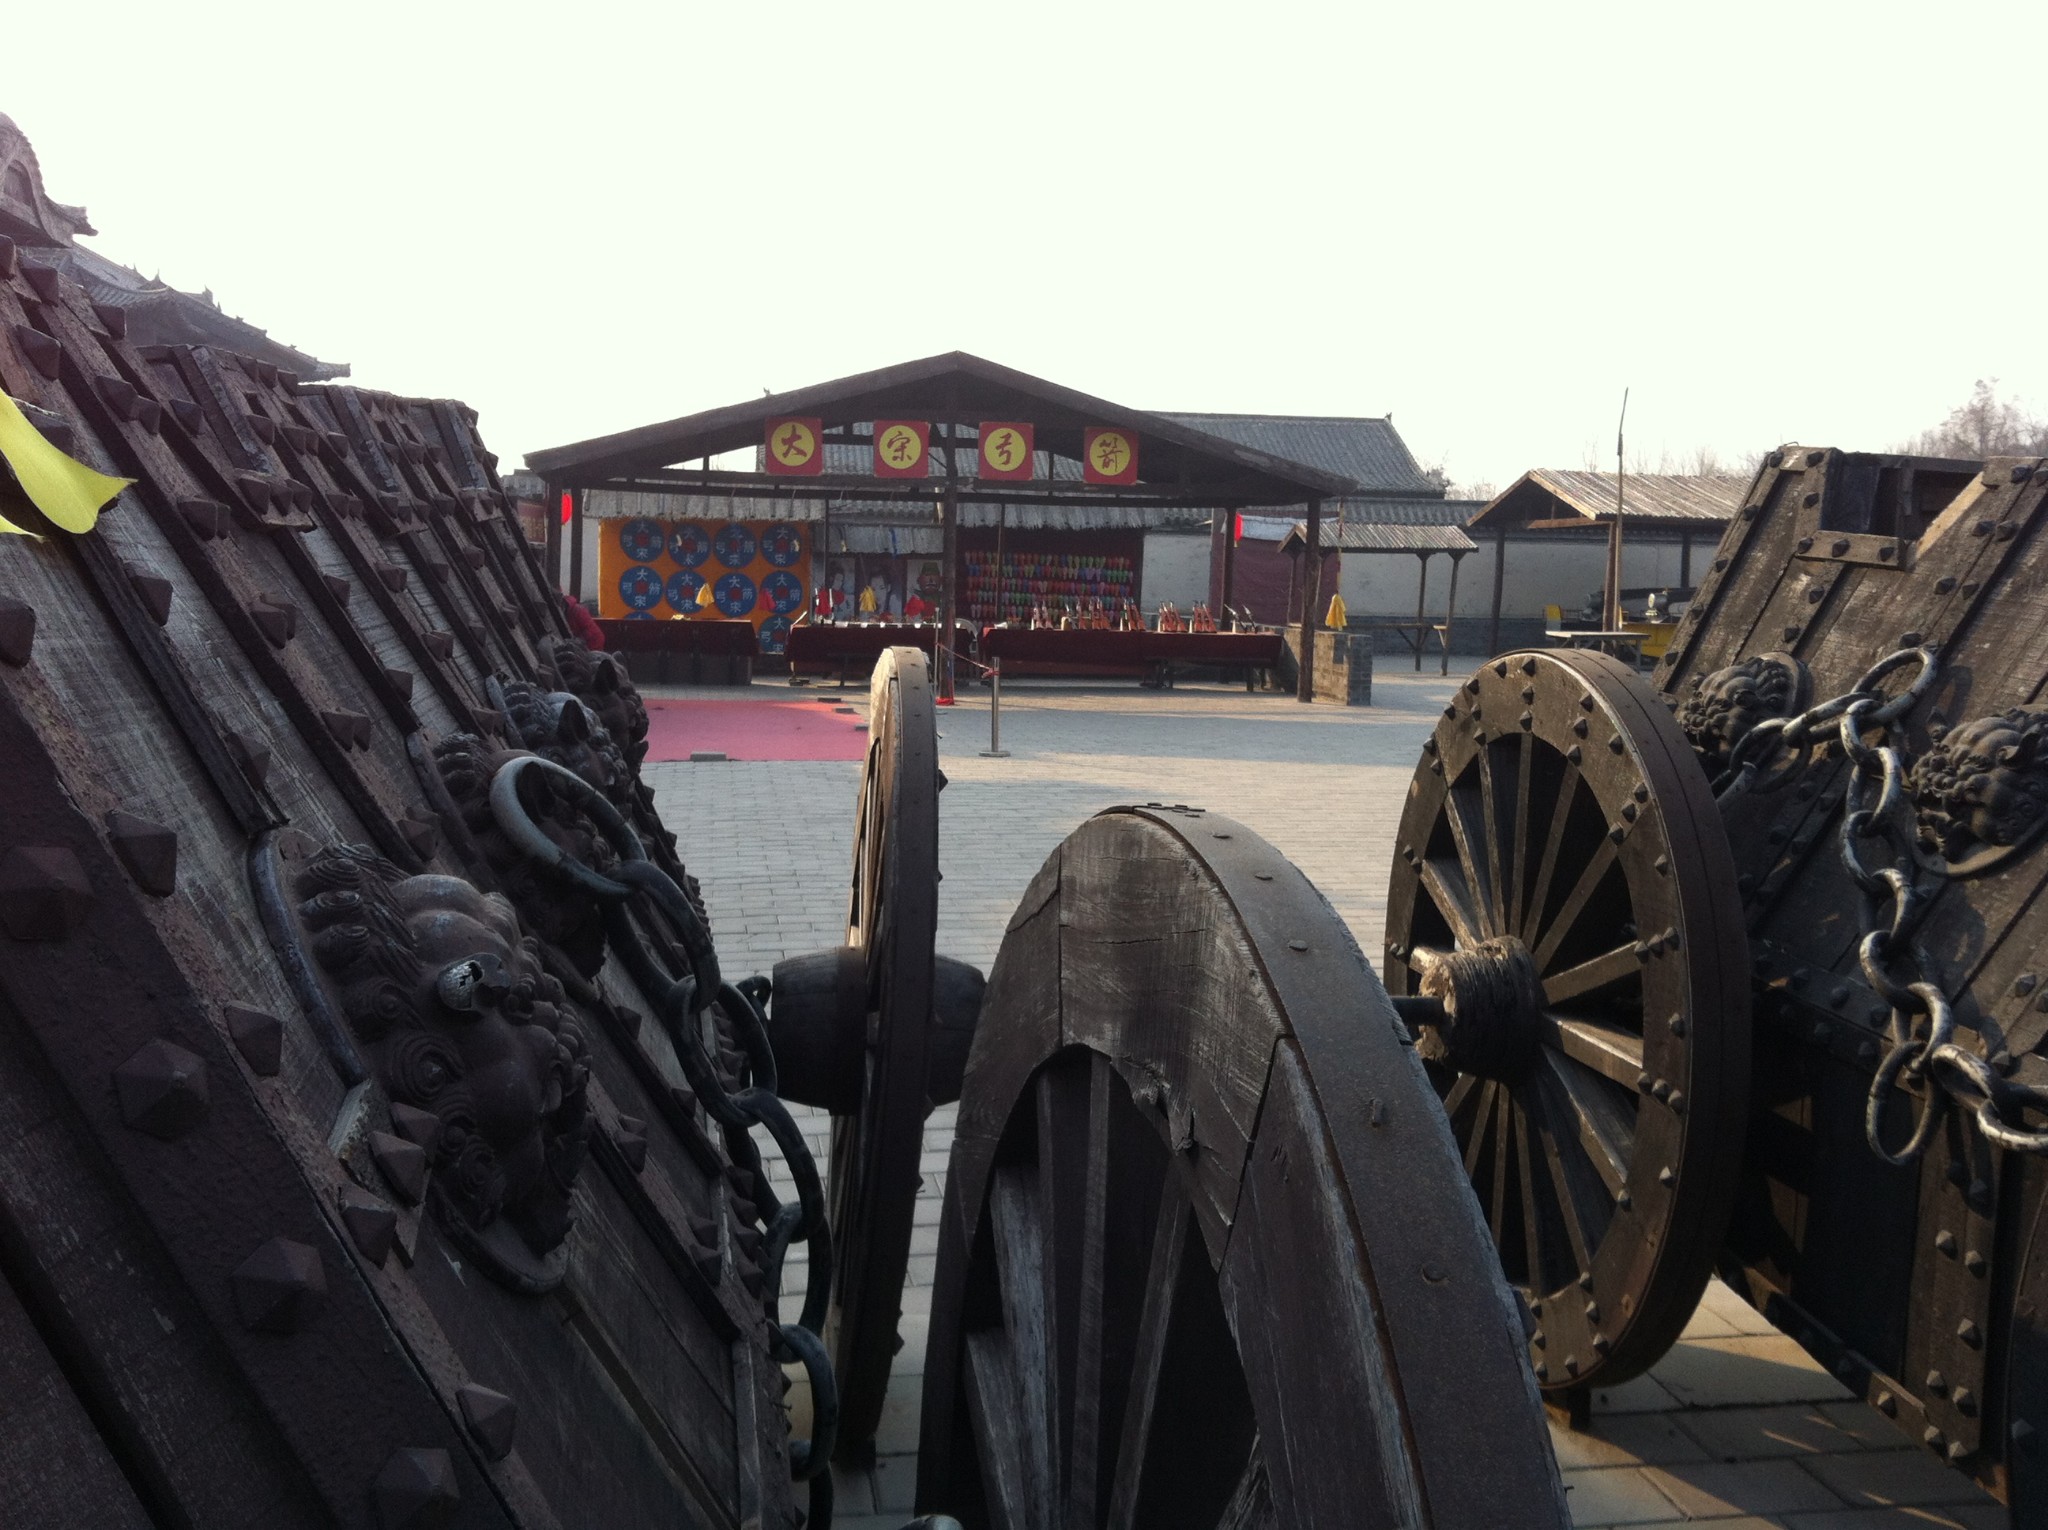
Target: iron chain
[
  {"x": 681, "y": 1003},
  {"x": 1877, "y": 850}
]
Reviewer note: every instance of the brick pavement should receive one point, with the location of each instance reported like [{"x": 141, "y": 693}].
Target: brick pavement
[{"x": 1736, "y": 1426}]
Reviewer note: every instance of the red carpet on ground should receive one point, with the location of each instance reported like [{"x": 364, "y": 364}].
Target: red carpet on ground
[{"x": 753, "y": 730}]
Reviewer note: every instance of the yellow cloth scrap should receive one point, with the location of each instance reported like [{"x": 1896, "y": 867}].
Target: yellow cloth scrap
[
  {"x": 67, "y": 491},
  {"x": 1334, "y": 619},
  {"x": 705, "y": 599}
]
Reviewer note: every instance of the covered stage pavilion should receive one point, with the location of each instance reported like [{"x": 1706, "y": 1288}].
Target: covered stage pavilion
[{"x": 662, "y": 472}]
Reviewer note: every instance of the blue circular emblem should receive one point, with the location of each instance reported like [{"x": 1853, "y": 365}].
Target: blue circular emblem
[
  {"x": 689, "y": 544},
  {"x": 640, "y": 587},
  {"x": 734, "y": 594},
  {"x": 682, "y": 591},
  {"x": 734, "y": 545},
  {"x": 775, "y": 634},
  {"x": 785, "y": 592},
  {"x": 782, "y": 544},
  {"x": 642, "y": 541},
  {"x": 639, "y": 616}
]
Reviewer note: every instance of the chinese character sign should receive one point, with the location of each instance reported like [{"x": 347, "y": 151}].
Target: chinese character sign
[
  {"x": 795, "y": 448},
  {"x": 1005, "y": 451},
  {"x": 1108, "y": 456},
  {"x": 902, "y": 448}
]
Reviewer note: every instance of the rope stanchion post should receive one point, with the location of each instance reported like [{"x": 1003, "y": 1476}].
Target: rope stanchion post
[{"x": 995, "y": 750}]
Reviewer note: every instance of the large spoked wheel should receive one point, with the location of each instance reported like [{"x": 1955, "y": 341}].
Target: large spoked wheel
[
  {"x": 1207, "y": 1256},
  {"x": 891, "y": 922},
  {"x": 1563, "y": 887}
]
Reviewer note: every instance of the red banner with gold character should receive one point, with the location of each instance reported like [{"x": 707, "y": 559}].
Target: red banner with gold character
[
  {"x": 903, "y": 448},
  {"x": 1005, "y": 451},
  {"x": 1109, "y": 455},
  {"x": 796, "y": 448}
]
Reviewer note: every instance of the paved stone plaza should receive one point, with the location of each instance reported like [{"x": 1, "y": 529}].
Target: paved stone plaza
[{"x": 1736, "y": 1426}]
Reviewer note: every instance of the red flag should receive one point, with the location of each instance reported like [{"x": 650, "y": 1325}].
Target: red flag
[{"x": 1005, "y": 450}]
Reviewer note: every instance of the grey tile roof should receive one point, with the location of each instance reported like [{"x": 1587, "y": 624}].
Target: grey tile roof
[
  {"x": 1674, "y": 499},
  {"x": 1369, "y": 452}
]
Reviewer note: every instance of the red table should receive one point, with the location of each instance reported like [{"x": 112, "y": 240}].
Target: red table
[
  {"x": 694, "y": 651},
  {"x": 842, "y": 648},
  {"x": 1153, "y": 655}
]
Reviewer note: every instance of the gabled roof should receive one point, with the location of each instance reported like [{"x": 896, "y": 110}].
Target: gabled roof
[
  {"x": 1550, "y": 498},
  {"x": 1367, "y": 453},
  {"x": 960, "y": 389},
  {"x": 1372, "y": 537}
]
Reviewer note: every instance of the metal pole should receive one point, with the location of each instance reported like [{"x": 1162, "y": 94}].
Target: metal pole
[{"x": 995, "y": 750}]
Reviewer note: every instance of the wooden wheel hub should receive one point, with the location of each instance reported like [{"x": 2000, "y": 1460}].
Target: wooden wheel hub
[
  {"x": 1491, "y": 1000},
  {"x": 1564, "y": 890}
]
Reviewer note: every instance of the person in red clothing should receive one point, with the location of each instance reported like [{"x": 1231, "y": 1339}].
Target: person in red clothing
[{"x": 583, "y": 625}]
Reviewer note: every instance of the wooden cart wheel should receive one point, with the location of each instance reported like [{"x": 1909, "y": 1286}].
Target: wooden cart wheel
[
  {"x": 1563, "y": 886},
  {"x": 891, "y": 919},
  {"x": 1207, "y": 1255}
]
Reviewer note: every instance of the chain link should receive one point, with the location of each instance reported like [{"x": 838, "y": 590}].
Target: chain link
[
  {"x": 681, "y": 1003},
  {"x": 1877, "y": 850}
]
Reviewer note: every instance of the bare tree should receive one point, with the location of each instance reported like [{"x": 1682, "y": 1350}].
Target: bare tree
[{"x": 1984, "y": 425}]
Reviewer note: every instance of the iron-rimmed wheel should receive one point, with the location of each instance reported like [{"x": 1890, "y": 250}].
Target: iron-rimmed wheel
[
  {"x": 1207, "y": 1256},
  {"x": 1563, "y": 886},
  {"x": 892, "y": 919}
]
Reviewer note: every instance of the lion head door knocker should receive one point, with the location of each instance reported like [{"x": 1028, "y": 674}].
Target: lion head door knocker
[
  {"x": 456, "y": 1017},
  {"x": 554, "y": 909},
  {"x": 1980, "y": 794},
  {"x": 1724, "y": 706}
]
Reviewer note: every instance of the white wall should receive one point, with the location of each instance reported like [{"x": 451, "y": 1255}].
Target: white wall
[
  {"x": 1176, "y": 568},
  {"x": 1541, "y": 570}
]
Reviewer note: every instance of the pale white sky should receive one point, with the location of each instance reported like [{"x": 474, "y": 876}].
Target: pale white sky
[{"x": 1771, "y": 221}]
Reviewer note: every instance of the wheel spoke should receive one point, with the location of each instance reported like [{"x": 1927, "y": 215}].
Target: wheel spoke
[
  {"x": 1162, "y": 1284},
  {"x": 1532, "y": 1223},
  {"x": 1071, "y": 1175},
  {"x": 1518, "y": 880},
  {"x": 1596, "y": 868},
  {"x": 1497, "y": 835},
  {"x": 1553, "y": 841},
  {"x": 1020, "y": 1251},
  {"x": 1580, "y": 1202},
  {"x": 1459, "y": 1093},
  {"x": 992, "y": 1410},
  {"x": 1464, "y": 833},
  {"x": 1476, "y": 1143},
  {"x": 1251, "y": 1502},
  {"x": 1448, "y": 889},
  {"x": 1605, "y": 1129},
  {"x": 1503, "y": 1119},
  {"x": 1603, "y": 971},
  {"x": 1612, "y": 1050},
  {"x": 1086, "y": 1371}
]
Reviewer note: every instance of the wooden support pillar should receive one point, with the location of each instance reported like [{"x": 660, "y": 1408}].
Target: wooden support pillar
[
  {"x": 551, "y": 503},
  {"x": 1311, "y": 591},
  {"x": 949, "y": 539},
  {"x": 1002, "y": 524},
  {"x": 821, "y": 564},
  {"x": 1229, "y": 567},
  {"x": 1451, "y": 611},
  {"x": 1500, "y": 568},
  {"x": 1685, "y": 560},
  {"x": 1421, "y": 609},
  {"x": 576, "y": 544}
]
